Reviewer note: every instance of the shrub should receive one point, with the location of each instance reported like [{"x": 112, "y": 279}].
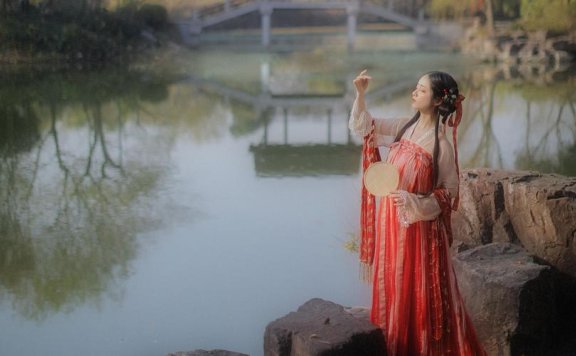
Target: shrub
[
  {"x": 94, "y": 35},
  {"x": 549, "y": 15},
  {"x": 154, "y": 16},
  {"x": 450, "y": 9}
]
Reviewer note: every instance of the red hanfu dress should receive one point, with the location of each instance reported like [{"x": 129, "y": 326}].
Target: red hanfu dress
[{"x": 415, "y": 297}]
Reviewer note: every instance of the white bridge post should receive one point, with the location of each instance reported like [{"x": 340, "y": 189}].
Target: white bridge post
[
  {"x": 265, "y": 75},
  {"x": 192, "y": 29},
  {"x": 352, "y": 12},
  {"x": 266, "y": 15}
]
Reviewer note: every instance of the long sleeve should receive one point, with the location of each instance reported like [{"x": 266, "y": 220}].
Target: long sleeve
[
  {"x": 361, "y": 122},
  {"x": 419, "y": 207}
]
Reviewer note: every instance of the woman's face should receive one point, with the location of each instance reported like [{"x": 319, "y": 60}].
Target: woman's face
[{"x": 422, "y": 95}]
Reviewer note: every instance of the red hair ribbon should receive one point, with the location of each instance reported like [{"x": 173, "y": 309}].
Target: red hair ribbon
[{"x": 454, "y": 121}]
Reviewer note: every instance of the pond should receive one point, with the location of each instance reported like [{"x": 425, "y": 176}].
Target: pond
[{"x": 153, "y": 208}]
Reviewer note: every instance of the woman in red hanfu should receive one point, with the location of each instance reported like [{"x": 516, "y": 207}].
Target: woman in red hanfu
[{"x": 405, "y": 245}]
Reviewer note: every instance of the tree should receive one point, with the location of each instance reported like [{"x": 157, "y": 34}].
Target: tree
[
  {"x": 454, "y": 9},
  {"x": 8, "y": 6},
  {"x": 489, "y": 11},
  {"x": 548, "y": 15}
]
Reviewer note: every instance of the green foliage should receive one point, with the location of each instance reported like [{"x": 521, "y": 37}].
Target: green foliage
[
  {"x": 562, "y": 162},
  {"x": 78, "y": 32},
  {"x": 8, "y": 6},
  {"x": 247, "y": 119},
  {"x": 535, "y": 15},
  {"x": 19, "y": 129},
  {"x": 507, "y": 9},
  {"x": 450, "y": 9},
  {"x": 146, "y": 15},
  {"x": 550, "y": 15},
  {"x": 153, "y": 16},
  {"x": 560, "y": 90}
]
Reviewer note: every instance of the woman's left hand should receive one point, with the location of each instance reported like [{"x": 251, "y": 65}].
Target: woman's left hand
[{"x": 398, "y": 197}]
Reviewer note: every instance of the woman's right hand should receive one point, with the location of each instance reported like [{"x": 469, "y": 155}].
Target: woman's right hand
[{"x": 361, "y": 82}]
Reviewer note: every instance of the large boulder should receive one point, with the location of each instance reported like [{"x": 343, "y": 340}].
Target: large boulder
[
  {"x": 544, "y": 217},
  {"x": 537, "y": 211},
  {"x": 320, "y": 327},
  {"x": 482, "y": 217},
  {"x": 519, "y": 307}
]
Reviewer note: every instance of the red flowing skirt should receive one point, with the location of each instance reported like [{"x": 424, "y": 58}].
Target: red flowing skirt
[{"x": 415, "y": 297}]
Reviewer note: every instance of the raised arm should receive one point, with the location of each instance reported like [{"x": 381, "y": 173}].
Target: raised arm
[{"x": 360, "y": 118}]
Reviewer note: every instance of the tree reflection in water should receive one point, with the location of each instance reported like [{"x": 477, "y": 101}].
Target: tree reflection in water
[
  {"x": 550, "y": 125},
  {"x": 547, "y": 125},
  {"x": 72, "y": 210}
]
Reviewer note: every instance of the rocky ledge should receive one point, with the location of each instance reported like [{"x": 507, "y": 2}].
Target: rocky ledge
[
  {"x": 320, "y": 327},
  {"x": 518, "y": 306},
  {"x": 519, "y": 47}
]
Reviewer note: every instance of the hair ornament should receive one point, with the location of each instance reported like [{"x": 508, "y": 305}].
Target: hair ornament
[{"x": 450, "y": 96}]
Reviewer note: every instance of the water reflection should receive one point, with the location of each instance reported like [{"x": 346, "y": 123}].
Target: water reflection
[
  {"x": 74, "y": 199},
  {"x": 520, "y": 118},
  {"x": 286, "y": 159},
  {"x": 515, "y": 117},
  {"x": 295, "y": 90}
]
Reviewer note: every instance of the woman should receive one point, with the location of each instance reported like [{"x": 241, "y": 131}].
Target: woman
[{"x": 415, "y": 297}]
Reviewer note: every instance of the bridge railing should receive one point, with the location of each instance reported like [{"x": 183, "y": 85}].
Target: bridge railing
[
  {"x": 411, "y": 9},
  {"x": 221, "y": 7}
]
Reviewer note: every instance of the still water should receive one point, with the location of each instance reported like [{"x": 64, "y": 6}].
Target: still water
[{"x": 187, "y": 202}]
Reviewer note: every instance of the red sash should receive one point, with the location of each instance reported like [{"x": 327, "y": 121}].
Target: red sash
[{"x": 370, "y": 154}]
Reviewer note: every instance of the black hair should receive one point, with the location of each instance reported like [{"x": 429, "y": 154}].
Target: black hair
[{"x": 443, "y": 87}]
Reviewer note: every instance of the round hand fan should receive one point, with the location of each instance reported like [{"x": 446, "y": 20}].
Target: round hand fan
[{"x": 381, "y": 178}]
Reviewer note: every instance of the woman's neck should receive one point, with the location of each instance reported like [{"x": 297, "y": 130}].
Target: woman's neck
[{"x": 427, "y": 119}]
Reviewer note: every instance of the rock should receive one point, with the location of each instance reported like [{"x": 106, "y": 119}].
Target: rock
[
  {"x": 544, "y": 211},
  {"x": 206, "y": 353},
  {"x": 482, "y": 217},
  {"x": 517, "y": 306},
  {"x": 320, "y": 327},
  {"x": 518, "y": 47},
  {"x": 534, "y": 210}
]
